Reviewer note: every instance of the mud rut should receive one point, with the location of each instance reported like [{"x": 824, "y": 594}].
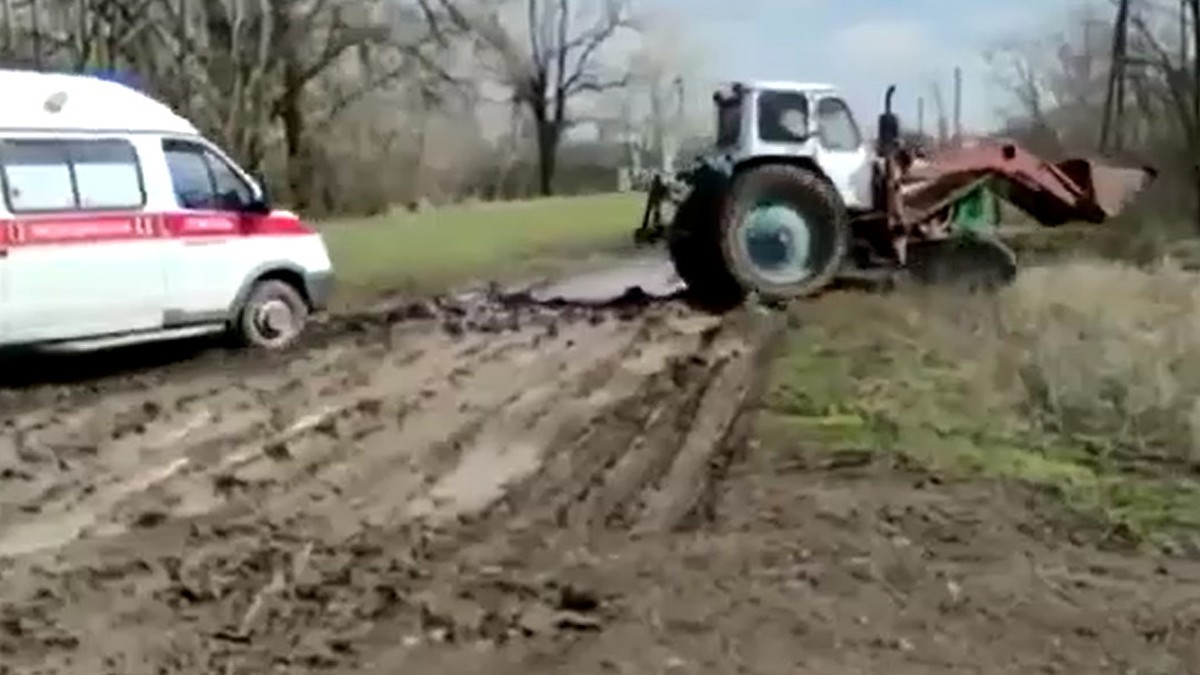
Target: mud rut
[
  {"x": 310, "y": 512},
  {"x": 490, "y": 485}
]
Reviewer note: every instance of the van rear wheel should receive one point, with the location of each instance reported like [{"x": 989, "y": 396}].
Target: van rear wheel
[{"x": 273, "y": 317}]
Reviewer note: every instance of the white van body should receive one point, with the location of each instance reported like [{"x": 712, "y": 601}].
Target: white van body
[{"x": 120, "y": 223}]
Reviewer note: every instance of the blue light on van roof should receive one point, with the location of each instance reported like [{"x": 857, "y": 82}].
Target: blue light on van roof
[{"x": 131, "y": 80}]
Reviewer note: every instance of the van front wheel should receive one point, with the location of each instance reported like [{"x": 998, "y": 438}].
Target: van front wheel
[{"x": 273, "y": 317}]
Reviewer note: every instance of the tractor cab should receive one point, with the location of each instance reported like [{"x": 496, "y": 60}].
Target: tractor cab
[{"x": 796, "y": 122}]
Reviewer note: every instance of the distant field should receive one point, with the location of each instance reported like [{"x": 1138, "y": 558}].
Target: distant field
[{"x": 462, "y": 243}]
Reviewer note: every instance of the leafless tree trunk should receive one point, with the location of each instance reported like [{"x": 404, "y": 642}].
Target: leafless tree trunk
[{"x": 551, "y": 60}]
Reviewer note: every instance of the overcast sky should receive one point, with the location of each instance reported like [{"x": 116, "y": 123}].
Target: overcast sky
[{"x": 863, "y": 45}]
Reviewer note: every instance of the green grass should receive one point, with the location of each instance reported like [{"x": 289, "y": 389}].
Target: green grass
[
  {"x": 940, "y": 382},
  {"x": 434, "y": 249}
]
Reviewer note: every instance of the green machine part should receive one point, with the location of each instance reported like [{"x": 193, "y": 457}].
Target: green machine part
[{"x": 976, "y": 213}]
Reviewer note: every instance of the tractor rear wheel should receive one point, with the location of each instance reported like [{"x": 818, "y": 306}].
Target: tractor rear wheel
[
  {"x": 694, "y": 242},
  {"x": 784, "y": 232}
]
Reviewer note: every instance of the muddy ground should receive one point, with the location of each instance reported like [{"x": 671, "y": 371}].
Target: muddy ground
[{"x": 493, "y": 485}]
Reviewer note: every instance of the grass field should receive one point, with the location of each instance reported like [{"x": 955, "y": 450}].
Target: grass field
[
  {"x": 1082, "y": 380},
  {"x": 433, "y": 249}
]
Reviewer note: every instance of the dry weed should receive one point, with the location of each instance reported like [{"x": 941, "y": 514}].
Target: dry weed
[
  {"x": 1098, "y": 351},
  {"x": 1082, "y": 378}
]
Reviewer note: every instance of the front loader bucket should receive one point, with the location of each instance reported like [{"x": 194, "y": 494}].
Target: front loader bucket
[
  {"x": 1076, "y": 190},
  {"x": 1110, "y": 188}
]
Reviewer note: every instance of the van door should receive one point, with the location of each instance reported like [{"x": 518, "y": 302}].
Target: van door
[
  {"x": 842, "y": 153},
  {"x": 84, "y": 259},
  {"x": 209, "y": 258}
]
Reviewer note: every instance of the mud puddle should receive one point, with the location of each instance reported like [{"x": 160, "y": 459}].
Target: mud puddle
[
  {"x": 651, "y": 277},
  {"x": 29, "y": 379}
]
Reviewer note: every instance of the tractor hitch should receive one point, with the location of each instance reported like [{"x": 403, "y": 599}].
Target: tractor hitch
[{"x": 707, "y": 173}]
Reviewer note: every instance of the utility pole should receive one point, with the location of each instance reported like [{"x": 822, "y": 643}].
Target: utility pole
[
  {"x": 921, "y": 116},
  {"x": 1114, "y": 99},
  {"x": 670, "y": 146},
  {"x": 943, "y": 125},
  {"x": 958, "y": 131}
]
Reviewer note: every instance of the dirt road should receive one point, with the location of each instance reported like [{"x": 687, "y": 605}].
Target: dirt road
[{"x": 494, "y": 486}]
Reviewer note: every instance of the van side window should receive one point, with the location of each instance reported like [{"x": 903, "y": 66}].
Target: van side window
[
  {"x": 107, "y": 175},
  {"x": 203, "y": 180},
  {"x": 94, "y": 175}
]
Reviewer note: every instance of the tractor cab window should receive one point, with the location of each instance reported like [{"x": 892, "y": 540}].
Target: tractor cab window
[
  {"x": 783, "y": 117},
  {"x": 836, "y": 126}
]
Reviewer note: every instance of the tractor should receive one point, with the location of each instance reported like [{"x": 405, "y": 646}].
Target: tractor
[{"x": 791, "y": 196}]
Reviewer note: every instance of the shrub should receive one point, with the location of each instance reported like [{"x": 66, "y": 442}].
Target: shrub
[{"x": 1104, "y": 351}]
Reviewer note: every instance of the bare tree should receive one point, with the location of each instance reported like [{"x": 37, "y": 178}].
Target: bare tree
[
  {"x": 299, "y": 87},
  {"x": 1128, "y": 83},
  {"x": 548, "y": 58},
  {"x": 242, "y": 69},
  {"x": 1166, "y": 79}
]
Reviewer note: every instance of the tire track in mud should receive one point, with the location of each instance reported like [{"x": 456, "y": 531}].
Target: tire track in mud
[
  {"x": 304, "y": 518},
  {"x": 43, "y": 448},
  {"x": 31, "y": 382},
  {"x": 646, "y": 465}
]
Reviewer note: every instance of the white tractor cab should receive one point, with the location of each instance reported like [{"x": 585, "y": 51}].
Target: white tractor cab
[
  {"x": 121, "y": 224},
  {"x": 773, "y": 121}
]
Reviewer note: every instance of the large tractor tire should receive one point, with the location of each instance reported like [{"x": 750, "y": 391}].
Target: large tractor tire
[
  {"x": 784, "y": 232},
  {"x": 778, "y": 231},
  {"x": 694, "y": 242}
]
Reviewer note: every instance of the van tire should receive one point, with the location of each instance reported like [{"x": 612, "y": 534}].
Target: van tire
[{"x": 273, "y": 316}]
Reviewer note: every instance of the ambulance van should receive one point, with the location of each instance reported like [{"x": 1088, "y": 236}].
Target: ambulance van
[{"x": 120, "y": 224}]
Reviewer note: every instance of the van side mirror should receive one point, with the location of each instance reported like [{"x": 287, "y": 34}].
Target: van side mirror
[{"x": 262, "y": 204}]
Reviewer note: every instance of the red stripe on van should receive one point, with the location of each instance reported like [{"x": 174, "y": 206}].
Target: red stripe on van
[
  {"x": 277, "y": 224},
  {"x": 59, "y": 229},
  {"x": 78, "y": 229}
]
